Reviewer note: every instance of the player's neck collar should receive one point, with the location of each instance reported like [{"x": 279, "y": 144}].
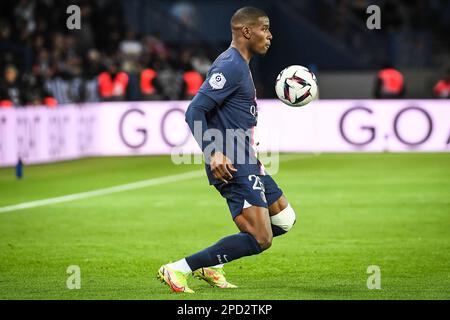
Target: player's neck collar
[{"x": 240, "y": 54}]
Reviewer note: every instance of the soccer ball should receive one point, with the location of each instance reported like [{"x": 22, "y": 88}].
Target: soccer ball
[{"x": 296, "y": 86}]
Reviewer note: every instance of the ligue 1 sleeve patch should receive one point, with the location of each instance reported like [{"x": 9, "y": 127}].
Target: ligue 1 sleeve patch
[{"x": 217, "y": 81}]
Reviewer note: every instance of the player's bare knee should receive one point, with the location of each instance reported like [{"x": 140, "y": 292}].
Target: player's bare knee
[
  {"x": 264, "y": 240},
  {"x": 285, "y": 219}
]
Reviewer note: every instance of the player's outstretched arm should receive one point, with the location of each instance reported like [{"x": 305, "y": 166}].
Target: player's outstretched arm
[{"x": 221, "y": 166}]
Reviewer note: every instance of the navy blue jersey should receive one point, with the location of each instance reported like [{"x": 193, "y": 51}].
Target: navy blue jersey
[{"x": 234, "y": 114}]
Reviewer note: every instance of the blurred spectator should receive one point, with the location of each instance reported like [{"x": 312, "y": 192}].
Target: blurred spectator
[
  {"x": 12, "y": 89},
  {"x": 185, "y": 13},
  {"x": 113, "y": 84},
  {"x": 389, "y": 84},
  {"x": 5, "y": 31},
  {"x": 193, "y": 81},
  {"x": 147, "y": 86},
  {"x": 130, "y": 45},
  {"x": 155, "y": 47},
  {"x": 170, "y": 83},
  {"x": 192, "y": 78},
  {"x": 201, "y": 63},
  {"x": 36, "y": 92},
  {"x": 93, "y": 64},
  {"x": 53, "y": 64},
  {"x": 442, "y": 88},
  {"x": 24, "y": 15},
  {"x": 23, "y": 91}
]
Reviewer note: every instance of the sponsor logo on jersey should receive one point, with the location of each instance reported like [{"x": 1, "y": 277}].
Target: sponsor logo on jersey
[{"x": 217, "y": 81}]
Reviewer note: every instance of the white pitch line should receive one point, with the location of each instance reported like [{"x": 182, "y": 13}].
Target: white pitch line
[
  {"x": 105, "y": 191},
  {"x": 123, "y": 187}
]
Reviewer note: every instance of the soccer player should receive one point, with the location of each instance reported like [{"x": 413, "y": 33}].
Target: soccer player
[{"x": 222, "y": 117}]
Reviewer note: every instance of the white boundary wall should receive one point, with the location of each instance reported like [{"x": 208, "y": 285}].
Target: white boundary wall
[{"x": 40, "y": 135}]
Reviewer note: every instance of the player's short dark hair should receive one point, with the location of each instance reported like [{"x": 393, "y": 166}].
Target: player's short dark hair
[{"x": 247, "y": 15}]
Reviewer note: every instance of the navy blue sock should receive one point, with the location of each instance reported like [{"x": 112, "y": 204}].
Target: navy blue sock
[
  {"x": 277, "y": 231},
  {"x": 225, "y": 250}
]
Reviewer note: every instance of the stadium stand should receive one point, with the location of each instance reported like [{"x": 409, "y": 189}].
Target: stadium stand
[{"x": 57, "y": 65}]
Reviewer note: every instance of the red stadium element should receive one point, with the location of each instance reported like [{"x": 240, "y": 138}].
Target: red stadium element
[
  {"x": 50, "y": 102},
  {"x": 193, "y": 81},
  {"x": 110, "y": 87},
  {"x": 442, "y": 89},
  {"x": 6, "y": 104},
  {"x": 147, "y": 77},
  {"x": 392, "y": 81}
]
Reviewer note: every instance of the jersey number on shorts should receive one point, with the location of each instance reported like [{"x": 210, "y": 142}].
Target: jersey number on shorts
[{"x": 257, "y": 185}]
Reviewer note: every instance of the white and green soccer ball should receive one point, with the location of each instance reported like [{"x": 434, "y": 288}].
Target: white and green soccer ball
[{"x": 296, "y": 86}]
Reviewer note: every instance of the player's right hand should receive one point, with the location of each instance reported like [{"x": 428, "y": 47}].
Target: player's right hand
[{"x": 221, "y": 167}]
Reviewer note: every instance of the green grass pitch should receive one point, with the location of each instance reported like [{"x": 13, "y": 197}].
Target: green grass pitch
[{"x": 354, "y": 211}]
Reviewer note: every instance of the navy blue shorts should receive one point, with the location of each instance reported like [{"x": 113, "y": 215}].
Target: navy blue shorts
[{"x": 252, "y": 190}]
